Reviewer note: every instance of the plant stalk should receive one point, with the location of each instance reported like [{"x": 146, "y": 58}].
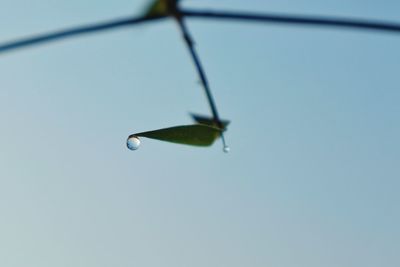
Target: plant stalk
[
  {"x": 203, "y": 78},
  {"x": 300, "y": 20}
]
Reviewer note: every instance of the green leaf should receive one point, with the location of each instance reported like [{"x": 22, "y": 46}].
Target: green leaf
[
  {"x": 194, "y": 135},
  {"x": 159, "y": 7},
  {"x": 209, "y": 121}
]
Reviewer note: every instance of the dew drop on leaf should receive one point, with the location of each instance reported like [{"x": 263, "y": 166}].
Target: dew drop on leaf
[{"x": 133, "y": 142}]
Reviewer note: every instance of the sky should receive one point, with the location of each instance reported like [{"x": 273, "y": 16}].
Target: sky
[{"x": 312, "y": 178}]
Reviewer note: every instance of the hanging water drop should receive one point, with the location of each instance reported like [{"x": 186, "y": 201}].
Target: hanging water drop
[
  {"x": 226, "y": 149},
  {"x": 133, "y": 142}
]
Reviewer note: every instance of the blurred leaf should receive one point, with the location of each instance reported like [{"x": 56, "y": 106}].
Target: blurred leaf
[
  {"x": 159, "y": 7},
  {"x": 209, "y": 121},
  {"x": 195, "y": 135}
]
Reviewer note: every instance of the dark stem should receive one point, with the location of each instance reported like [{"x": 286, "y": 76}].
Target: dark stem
[
  {"x": 58, "y": 35},
  {"x": 207, "y": 14},
  {"x": 196, "y": 60},
  {"x": 296, "y": 20},
  {"x": 203, "y": 78}
]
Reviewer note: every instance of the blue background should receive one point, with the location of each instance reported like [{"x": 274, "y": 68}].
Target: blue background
[{"x": 312, "y": 178}]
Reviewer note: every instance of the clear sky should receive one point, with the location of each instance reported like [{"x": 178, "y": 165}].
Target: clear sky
[{"x": 312, "y": 178}]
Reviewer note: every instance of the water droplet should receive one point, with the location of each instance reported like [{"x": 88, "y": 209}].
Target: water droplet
[
  {"x": 227, "y": 149},
  {"x": 133, "y": 142}
]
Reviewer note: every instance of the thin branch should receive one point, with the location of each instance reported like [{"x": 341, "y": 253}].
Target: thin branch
[
  {"x": 296, "y": 20},
  {"x": 203, "y": 78},
  {"x": 66, "y": 33},
  {"x": 196, "y": 60}
]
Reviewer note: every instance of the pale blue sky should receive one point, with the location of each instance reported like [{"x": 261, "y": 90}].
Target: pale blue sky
[{"x": 312, "y": 178}]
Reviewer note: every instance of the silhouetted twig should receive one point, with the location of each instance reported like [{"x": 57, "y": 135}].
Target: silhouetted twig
[
  {"x": 44, "y": 38},
  {"x": 203, "y": 78},
  {"x": 196, "y": 60},
  {"x": 208, "y": 14},
  {"x": 296, "y": 20}
]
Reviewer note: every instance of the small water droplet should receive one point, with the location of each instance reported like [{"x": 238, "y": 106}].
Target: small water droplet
[
  {"x": 227, "y": 149},
  {"x": 133, "y": 142}
]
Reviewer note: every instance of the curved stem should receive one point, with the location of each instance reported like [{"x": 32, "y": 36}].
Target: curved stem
[
  {"x": 296, "y": 20},
  {"x": 203, "y": 78},
  {"x": 62, "y": 34}
]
